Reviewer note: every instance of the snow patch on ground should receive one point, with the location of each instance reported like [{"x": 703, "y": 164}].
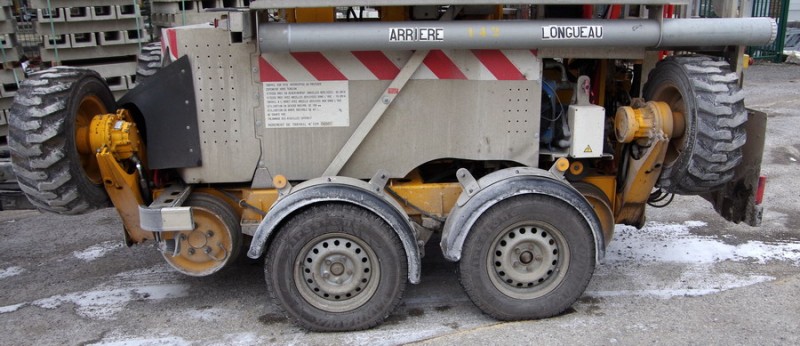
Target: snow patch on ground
[
  {"x": 207, "y": 315},
  {"x": 712, "y": 284},
  {"x": 106, "y": 300},
  {"x": 11, "y": 308},
  {"x": 135, "y": 341},
  {"x": 103, "y": 304},
  {"x": 658, "y": 242},
  {"x": 165, "y": 339},
  {"x": 395, "y": 336},
  {"x": 667, "y": 260},
  {"x": 243, "y": 339},
  {"x": 97, "y": 251},
  {"x": 10, "y": 271}
]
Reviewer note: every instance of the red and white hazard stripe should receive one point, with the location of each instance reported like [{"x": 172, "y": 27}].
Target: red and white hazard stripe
[
  {"x": 169, "y": 42},
  {"x": 385, "y": 65},
  {"x": 379, "y": 65}
]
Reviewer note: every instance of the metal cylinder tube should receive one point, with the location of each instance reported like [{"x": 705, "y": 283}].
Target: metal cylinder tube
[{"x": 314, "y": 37}]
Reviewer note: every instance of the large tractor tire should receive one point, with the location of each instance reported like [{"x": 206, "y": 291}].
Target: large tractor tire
[
  {"x": 148, "y": 62},
  {"x": 705, "y": 94},
  {"x": 49, "y": 110}
]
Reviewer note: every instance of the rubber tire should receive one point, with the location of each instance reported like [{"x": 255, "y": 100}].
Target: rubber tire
[
  {"x": 227, "y": 215},
  {"x": 336, "y": 218},
  {"x": 148, "y": 62},
  {"x": 474, "y": 274},
  {"x": 42, "y": 139},
  {"x": 715, "y": 121}
]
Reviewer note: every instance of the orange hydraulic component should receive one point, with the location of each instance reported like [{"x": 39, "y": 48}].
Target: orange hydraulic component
[
  {"x": 562, "y": 165},
  {"x": 607, "y": 184},
  {"x": 601, "y": 204},
  {"x": 311, "y": 15},
  {"x": 114, "y": 138},
  {"x": 115, "y": 131},
  {"x": 260, "y": 198},
  {"x": 645, "y": 123},
  {"x": 393, "y": 13},
  {"x": 651, "y": 126},
  {"x": 576, "y": 168}
]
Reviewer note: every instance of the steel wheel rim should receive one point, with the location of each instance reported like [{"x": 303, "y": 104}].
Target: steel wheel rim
[
  {"x": 203, "y": 250},
  {"x": 89, "y": 107},
  {"x": 336, "y": 272},
  {"x": 528, "y": 260}
]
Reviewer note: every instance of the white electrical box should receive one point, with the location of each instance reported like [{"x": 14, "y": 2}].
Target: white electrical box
[{"x": 587, "y": 124}]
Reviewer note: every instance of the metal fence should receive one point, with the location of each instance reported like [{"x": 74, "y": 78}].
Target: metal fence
[{"x": 778, "y": 9}]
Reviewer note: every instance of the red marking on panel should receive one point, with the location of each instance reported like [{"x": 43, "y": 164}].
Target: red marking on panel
[
  {"x": 393, "y": 91},
  {"x": 268, "y": 73},
  {"x": 319, "y": 66},
  {"x": 172, "y": 36},
  {"x": 616, "y": 11},
  {"x": 762, "y": 185},
  {"x": 498, "y": 64},
  {"x": 441, "y": 65},
  {"x": 588, "y": 11},
  {"x": 535, "y": 52},
  {"x": 378, "y": 64}
]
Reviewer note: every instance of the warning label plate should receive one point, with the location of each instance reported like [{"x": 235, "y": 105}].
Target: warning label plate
[{"x": 307, "y": 104}]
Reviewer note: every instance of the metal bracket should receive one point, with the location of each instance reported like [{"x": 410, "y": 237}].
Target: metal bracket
[
  {"x": 468, "y": 182},
  {"x": 379, "y": 180},
  {"x": 166, "y": 212},
  {"x": 583, "y": 91}
]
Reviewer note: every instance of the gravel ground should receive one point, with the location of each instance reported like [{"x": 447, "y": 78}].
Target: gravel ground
[{"x": 688, "y": 277}]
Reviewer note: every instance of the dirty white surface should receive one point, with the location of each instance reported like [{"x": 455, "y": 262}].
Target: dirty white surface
[
  {"x": 688, "y": 277},
  {"x": 97, "y": 251}
]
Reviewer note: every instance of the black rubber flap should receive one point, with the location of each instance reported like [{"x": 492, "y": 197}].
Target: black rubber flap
[{"x": 167, "y": 102}]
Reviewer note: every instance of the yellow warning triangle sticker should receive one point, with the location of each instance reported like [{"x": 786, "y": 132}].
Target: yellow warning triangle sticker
[{"x": 588, "y": 149}]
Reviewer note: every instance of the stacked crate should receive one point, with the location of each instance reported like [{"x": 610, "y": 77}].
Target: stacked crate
[
  {"x": 10, "y": 74},
  {"x": 103, "y": 35},
  {"x": 171, "y": 13}
]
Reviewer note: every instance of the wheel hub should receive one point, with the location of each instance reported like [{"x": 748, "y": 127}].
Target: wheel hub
[
  {"x": 202, "y": 251},
  {"x": 527, "y": 259},
  {"x": 336, "y": 269},
  {"x": 197, "y": 239}
]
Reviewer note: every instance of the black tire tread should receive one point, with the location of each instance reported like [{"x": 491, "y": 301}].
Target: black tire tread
[
  {"x": 148, "y": 62},
  {"x": 39, "y": 152},
  {"x": 709, "y": 160}
]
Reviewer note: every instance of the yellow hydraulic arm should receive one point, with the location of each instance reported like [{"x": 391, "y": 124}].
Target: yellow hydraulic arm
[{"x": 114, "y": 138}]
